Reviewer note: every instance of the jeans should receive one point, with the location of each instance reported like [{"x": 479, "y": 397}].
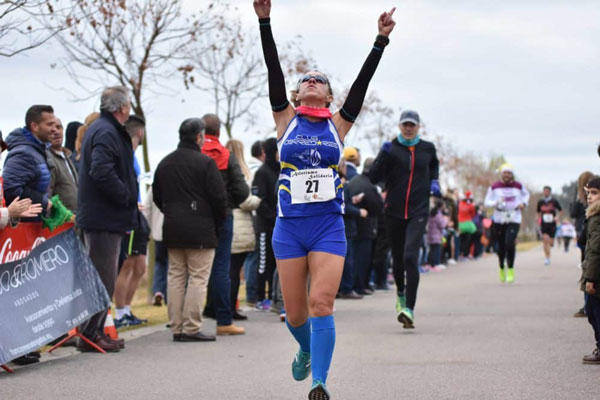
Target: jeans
[
  {"x": 251, "y": 275},
  {"x": 592, "y": 310},
  {"x": 219, "y": 285},
  {"x": 348, "y": 275},
  {"x": 435, "y": 254},
  {"x": 161, "y": 268},
  {"x": 362, "y": 259}
]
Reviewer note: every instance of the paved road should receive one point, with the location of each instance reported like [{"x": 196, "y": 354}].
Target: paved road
[{"x": 474, "y": 339}]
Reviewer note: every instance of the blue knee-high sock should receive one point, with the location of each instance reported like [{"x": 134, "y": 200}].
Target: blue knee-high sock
[
  {"x": 322, "y": 342},
  {"x": 301, "y": 334}
]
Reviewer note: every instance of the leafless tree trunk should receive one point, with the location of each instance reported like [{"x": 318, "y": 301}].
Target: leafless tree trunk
[{"x": 137, "y": 44}]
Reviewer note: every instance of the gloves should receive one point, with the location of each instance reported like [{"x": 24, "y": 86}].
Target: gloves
[
  {"x": 386, "y": 147},
  {"x": 435, "y": 188},
  {"x": 59, "y": 215}
]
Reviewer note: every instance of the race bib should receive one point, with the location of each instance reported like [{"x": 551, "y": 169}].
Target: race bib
[
  {"x": 312, "y": 185},
  {"x": 548, "y": 218}
]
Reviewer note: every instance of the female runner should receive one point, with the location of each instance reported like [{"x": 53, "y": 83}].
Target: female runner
[{"x": 309, "y": 234}]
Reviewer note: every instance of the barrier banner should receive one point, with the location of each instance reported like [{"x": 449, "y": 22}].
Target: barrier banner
[{"x": 53, "y": 289}]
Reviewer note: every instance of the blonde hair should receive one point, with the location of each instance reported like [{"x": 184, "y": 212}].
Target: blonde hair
[
  {"x": 237, "y": 148},
  {"x": 583, "y": 180},
  {"x": 81, "y": 132}
]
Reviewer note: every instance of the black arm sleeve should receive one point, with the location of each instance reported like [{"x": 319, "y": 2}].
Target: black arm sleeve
[
  {"x": 277, "y": 96},
  {"x": 358, "y": 91}
]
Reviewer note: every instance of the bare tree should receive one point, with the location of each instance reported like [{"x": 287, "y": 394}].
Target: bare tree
[
  {"x": 138, "y": 44},
  {"x": 228, "y": 65},
  {"x": 19, "y": 31}
]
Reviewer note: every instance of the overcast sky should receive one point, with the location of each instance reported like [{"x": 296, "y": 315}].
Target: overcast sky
[{"x": 518, "y": 78}]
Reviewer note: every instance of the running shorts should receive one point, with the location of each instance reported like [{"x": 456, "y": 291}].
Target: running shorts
[
  {"x": 295, "y": 237},
  {"x": 549, "y": 229}
]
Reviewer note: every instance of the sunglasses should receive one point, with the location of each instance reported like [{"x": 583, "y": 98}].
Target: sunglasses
[{"x": 319, "y": 79}]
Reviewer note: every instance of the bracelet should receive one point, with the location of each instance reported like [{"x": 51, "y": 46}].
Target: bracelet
[{"x": 381, "y": 41}]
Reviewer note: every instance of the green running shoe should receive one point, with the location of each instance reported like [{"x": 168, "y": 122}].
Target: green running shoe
[
  {"x": 400, "y": 303},
  {"x": 407, "y": 318},
  {"x": 502, "y": 275},
  {"x": 318, "y": 391},
  {"x": 510, "y": 275},
  {"x": 301, "y": 366}
]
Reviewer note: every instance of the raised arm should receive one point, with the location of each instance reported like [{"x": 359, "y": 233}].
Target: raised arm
[
  {"x": 283, "y": 112},
  {"x": 345, "y": 117}
]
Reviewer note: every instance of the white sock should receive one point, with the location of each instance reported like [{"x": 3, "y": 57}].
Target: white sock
[
  {"x": 120, "y": 312},
  {"x": 128, "y": 310}
]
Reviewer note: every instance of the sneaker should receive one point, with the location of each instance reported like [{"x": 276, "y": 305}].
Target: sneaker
[
  {"x": 266, "y": 305},
  {"x": 441, "y": 266},
  {"x": 580, "y": 313},
  {"x": 318, "y": 391},
  {"x": 593, "y": 358},
  {"x": 133, "y": 320},
  {"x": 452, "y": 261},
  {"x": 424, "y": 269},
  {"x": 502, "y": 275},
  {"x": 301, "y": 366},
  {"x": 232, "y": 329},
  {"x": 122, "y": 322},
  {"x": 407, "y": 318},
  {"x": 510, "y": 275},
  {"x": 400, "y": 303},
  {"x": 547, "y": 261},
  {"x": 157, "y": 299},
  {"x": 282, "y": 315}
]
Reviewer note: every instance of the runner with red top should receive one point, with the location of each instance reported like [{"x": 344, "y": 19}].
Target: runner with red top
[
  {"x": 309, "y": 237},
  {"x": 549, "y": 212},
  {"x": 409, "y": 168}
]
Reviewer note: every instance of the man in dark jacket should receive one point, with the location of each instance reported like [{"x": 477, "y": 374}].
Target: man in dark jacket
[
  {"x": 264, "y": 186},
  {"x": 409, "y": 168},
  {"x": 26, "y": 173},
  {"x": 63, "y": 174},
  {"x": 219, "y": 285},
  {"x": 189, "y": 190},
  {"x": 370, "y": 200},
  {"x": 107, "y": 200}
]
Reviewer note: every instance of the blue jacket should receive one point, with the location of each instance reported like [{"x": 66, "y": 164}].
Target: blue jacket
[
  {"x": 108, "y": 189},
  {"x": 26, "y": 173}
]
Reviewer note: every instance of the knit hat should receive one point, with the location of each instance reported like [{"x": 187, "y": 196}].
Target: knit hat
[{"x": 350, "y": 154}]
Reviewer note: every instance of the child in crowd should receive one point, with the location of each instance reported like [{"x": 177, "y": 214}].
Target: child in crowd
[
  {"x": 591, "y": 265},
  {"x": 435, "y": 232},
  {"x": 567, "y": 232}
]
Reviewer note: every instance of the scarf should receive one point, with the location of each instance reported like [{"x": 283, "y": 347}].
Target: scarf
[
  {"x": 317, "y": 112},
  {"x": 408, "y": 143}
]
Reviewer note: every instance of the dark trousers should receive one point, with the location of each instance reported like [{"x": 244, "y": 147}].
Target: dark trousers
[
  {"x": 592, "y": 310},
  {"x": 406, "y": 236},
  {"x": 505, "y": 237},
  {"x": 237, "y": 262},
  {"x": 435, "y": 254},
  {"x": 161, "y": 268},
  {"x": 219, "y": 285},
  {"x": 466, "y": 239},
  {"x": 381, "y": 250},
  {"x": 103, "y": 248},
  {"x": 349, "y": 274},
  {"x": 362, "y": 260},
  {"x": 266, "y": 264},
  {"x": 567, "y": 241}
]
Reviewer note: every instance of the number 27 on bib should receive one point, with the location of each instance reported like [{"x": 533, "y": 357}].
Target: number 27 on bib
[{"x": 312, "y": 185}]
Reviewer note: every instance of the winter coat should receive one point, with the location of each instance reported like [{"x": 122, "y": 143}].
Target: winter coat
[
  {"x": 435, "y": 228},
  {"x": 407, "y": 175},
  {"x": 63, "y": 177},
  {"x": 231, "y": 173},
  {"x": 190, "y": 192},
  {"x": 591, "y": 261},
  {"x": 351, "y": 171},
  {"x": 244, "y": 239},
  {"x": 577, "y": 213},
  {"x": 154, "y": 217},
  {"x": 26, "y": 173},
  {"x": 108, "y": 188},
  {"x": 371, "y": 201},
  {"x": 351, "y": 215},
  {"x": 264, "y": 185}
]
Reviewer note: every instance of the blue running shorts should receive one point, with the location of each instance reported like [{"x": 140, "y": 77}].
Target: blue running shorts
[{"x": 295, "y": 237}]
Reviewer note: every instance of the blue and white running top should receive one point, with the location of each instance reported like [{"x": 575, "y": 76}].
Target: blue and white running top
[{"x": 309, "y": 183}]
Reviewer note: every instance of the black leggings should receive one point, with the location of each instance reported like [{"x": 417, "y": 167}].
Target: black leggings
[
  {"x": 266, "y": 264},
  {"x": 405, "y": 237},
  {"x": 466, "y": 240},
  {"x": 505, "y": 236},
  {"x": 237, "y": 262}
]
